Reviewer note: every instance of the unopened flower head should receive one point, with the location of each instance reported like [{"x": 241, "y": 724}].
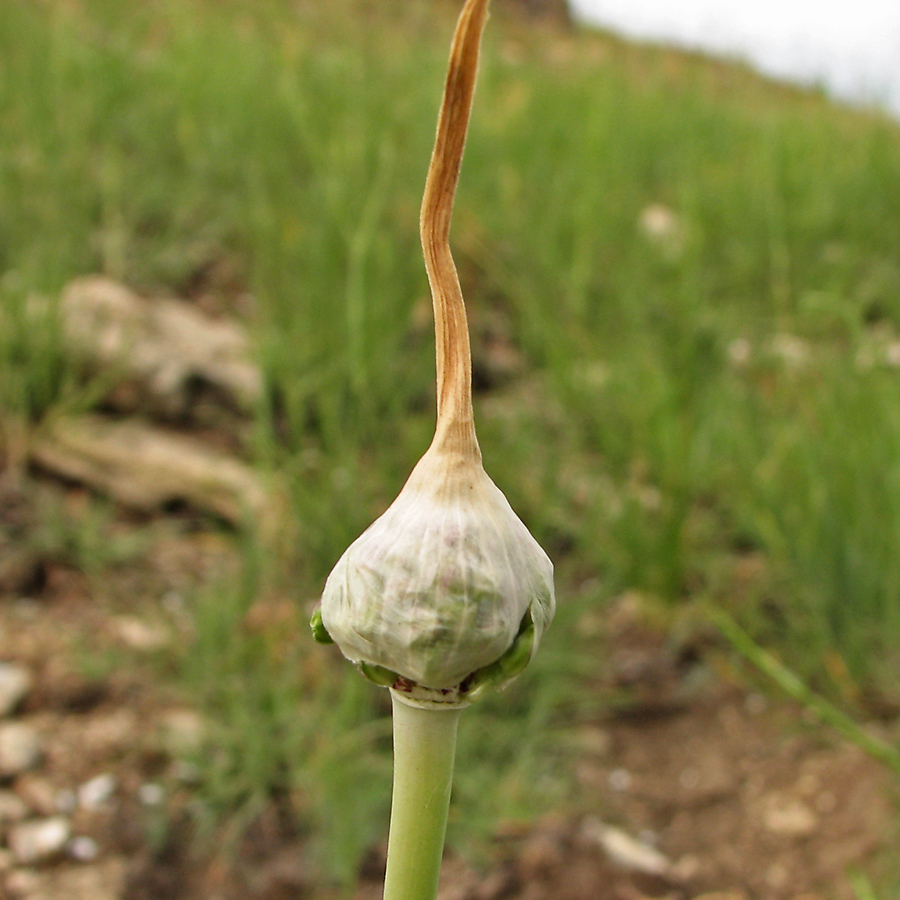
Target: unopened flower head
[
  {"x": 447, "y": 592},
  {"x": 440, "y": 586}
]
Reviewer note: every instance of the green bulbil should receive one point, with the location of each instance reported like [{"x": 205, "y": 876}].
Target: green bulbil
[
  {"x": 319, "y": 631},
  {"x": 507, "y": 667},
  {"x": 378, "y": 674},
  {"x": 436, "y": 589}
]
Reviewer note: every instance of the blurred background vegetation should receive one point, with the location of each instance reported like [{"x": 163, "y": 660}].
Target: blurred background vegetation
[{"x": 684, "y": 289}]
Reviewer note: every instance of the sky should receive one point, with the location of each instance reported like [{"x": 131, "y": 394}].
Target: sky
[{"x": 853, "y": 48}]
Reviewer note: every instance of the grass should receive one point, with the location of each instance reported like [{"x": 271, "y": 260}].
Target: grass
[
  {"x": 680, "y": 404},
  {"x": 282, "y": 728}
]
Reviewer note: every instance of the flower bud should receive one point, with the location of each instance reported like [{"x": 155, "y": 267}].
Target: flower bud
[
  {"x": 447, "y": 593},
  {"x": 442, "y": 584}
]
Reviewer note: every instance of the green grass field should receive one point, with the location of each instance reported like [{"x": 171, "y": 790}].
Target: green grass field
[{"x": 704, "y": 413}]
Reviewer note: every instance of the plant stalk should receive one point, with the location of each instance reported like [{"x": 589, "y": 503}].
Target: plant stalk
[{"x": 424, "y": 751}]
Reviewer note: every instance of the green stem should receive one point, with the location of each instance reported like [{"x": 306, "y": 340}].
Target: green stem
[
  {"x": 424, "y": 750},
  {"x": 797, "y": 690}
]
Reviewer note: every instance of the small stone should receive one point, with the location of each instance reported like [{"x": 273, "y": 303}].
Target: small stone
[
  {"x": 15, "y": 683},
  {"x": 808, "y": 784},
  {"x": 739, "y": 351},
  {"x": 793, "y": 351},
  {"x": 39, "y": 840},
  {"x": 140, "y": 635},
  {"x": 95, "y": 794},
  {"x": 83, "y": 849},
  {"x": 20, "y": 748},
  {"x": 12, "y": 808},
  {"x": 788, "y": 816},
  {"x": 626, "y": 851},
  {"x": 182, "y": 731},
  {"x": 71, "y": 881},
  {"x": 151, "y": 794},
  {"x": 777, "y": 876},
  {"x": 595, "y": 741},
  {"x": 110, "y": 733},
  {"x": 657, "y": 220},
  {"x": 38, "y": 793},
  {"x": 620, "y": 779},
  {"x": 664, "y": 228},
  {"x": 686, "y": 868},
  {"x": 892, "y": 354},
  {"x": 22, "y": 882}
]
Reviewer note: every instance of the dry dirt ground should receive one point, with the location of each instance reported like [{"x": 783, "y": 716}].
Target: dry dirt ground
[{"x": 733, "y": 796}]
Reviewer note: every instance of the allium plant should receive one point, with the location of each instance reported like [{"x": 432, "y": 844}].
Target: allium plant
[{"x": 447, "y": 594}]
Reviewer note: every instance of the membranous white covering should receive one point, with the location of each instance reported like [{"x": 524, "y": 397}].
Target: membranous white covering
[{"x": 438, "y": 586}]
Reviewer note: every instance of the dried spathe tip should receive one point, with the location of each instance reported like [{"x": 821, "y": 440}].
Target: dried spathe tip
[{"x": 447, "y": 593}]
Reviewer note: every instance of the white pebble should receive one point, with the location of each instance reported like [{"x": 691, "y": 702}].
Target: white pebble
[
  {"x": 83, "y": 849},
  {"x": 788, "y": 816},
  {"x": 38, "y": 840},
  {"x": 15, "y": 683},
  {"x": 39, "y": 793},
  {"x": 151, "y": 794},
  {"x": 20, "y": 748},
  {"x": 892, "y": 354},
  {"x": 94, "y": 794},
  {"x": 140, "y": 635},
  {"x": 620, "y": 779},
  {"x": 739, "y": 352},
  {"x": 626, "y": 851}
]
